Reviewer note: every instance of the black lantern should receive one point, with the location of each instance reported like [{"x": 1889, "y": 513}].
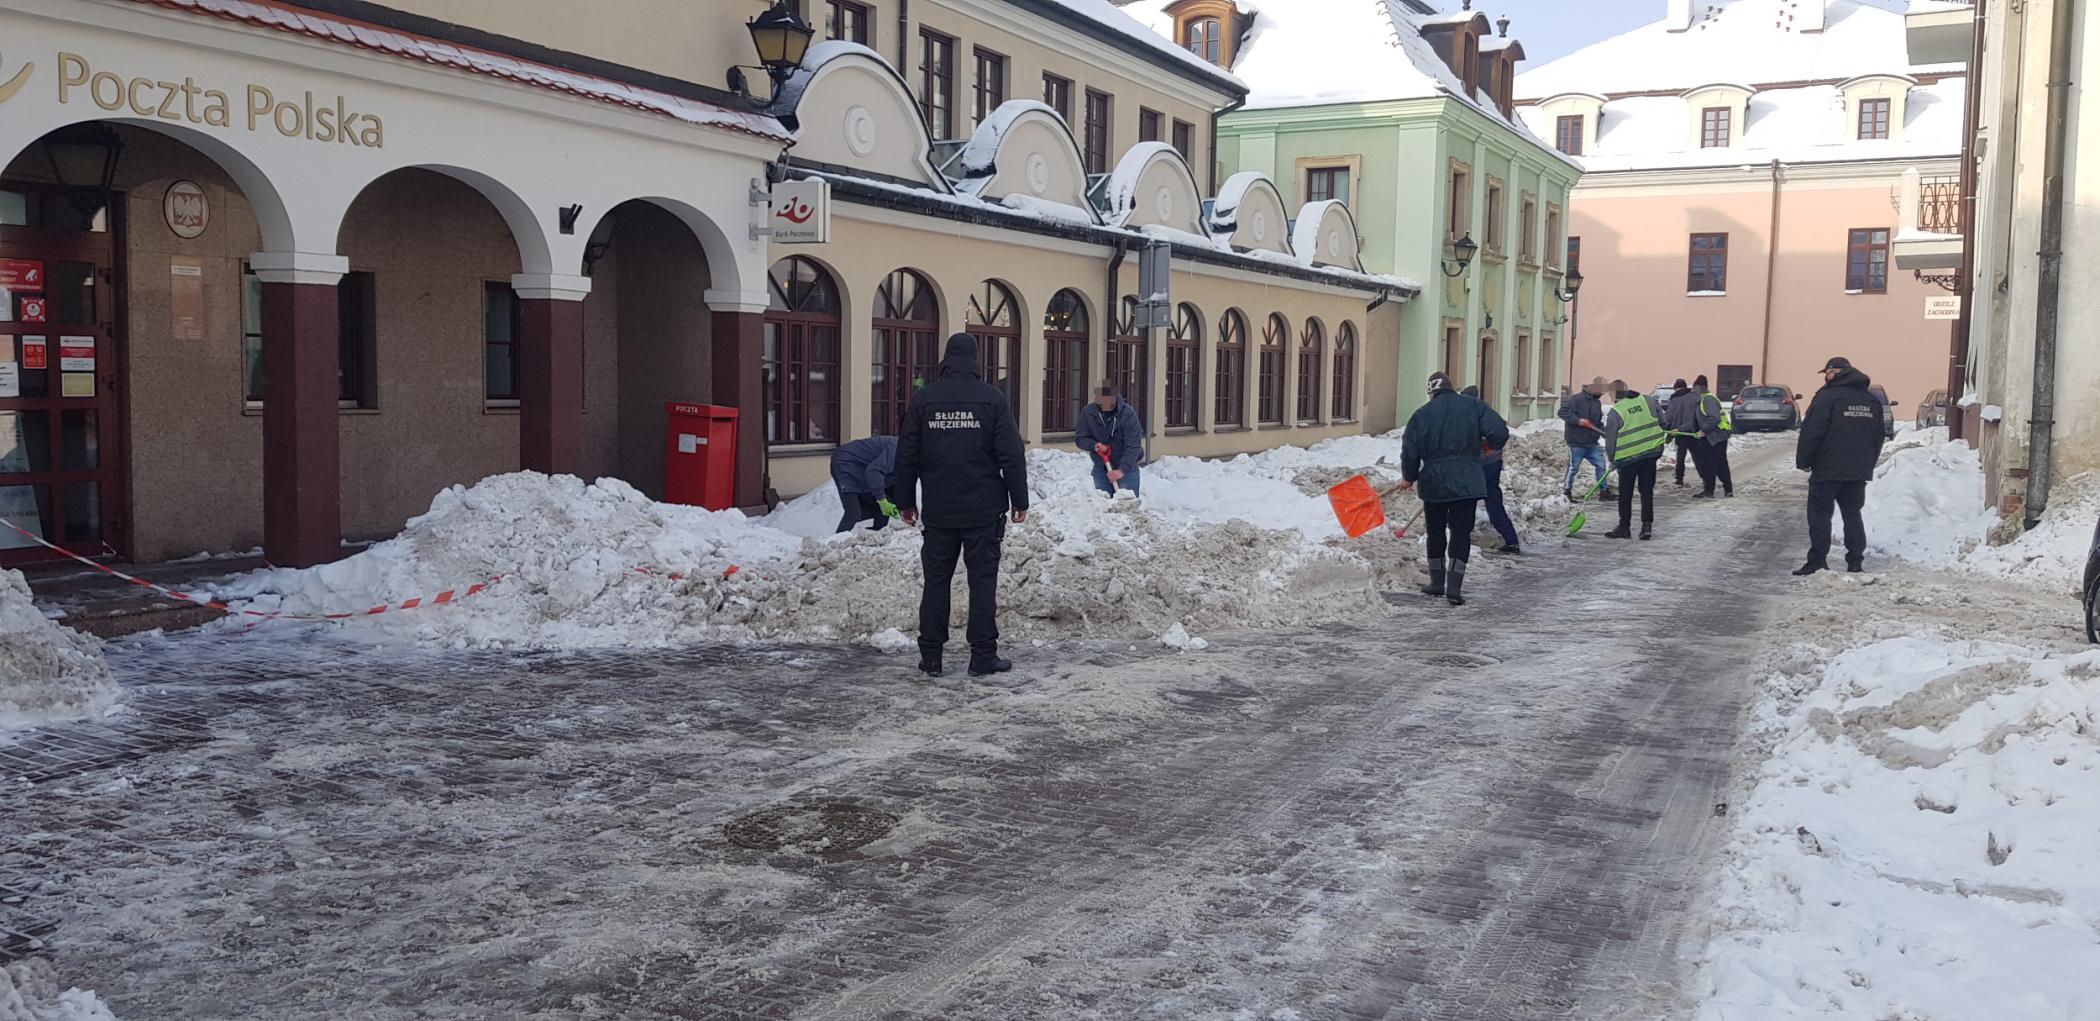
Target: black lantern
[
  {"x": 1573, "y": 286},
  {"x": 1463, "y": 249},
  {"x": 781, "y": 37},
  {"x": 84, "y": 159}
]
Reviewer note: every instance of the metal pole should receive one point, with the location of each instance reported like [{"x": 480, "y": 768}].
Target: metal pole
[
  {"x": 2041, "y": 423},
  {"x": 1958, "y": 353}
]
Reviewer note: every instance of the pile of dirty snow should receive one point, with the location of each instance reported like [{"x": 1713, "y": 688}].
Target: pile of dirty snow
[
  {"x": 47, "y": 672},
  {"x": 29, "y": 992},
  {"x": 1919, "y": 843},
  {"x": 1926, "y": 507}
]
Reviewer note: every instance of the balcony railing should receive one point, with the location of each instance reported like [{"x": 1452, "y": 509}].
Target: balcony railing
[{"x": 1939, "y": 205}]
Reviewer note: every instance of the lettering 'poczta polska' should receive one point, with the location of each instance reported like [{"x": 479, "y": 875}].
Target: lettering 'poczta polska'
[{"x": 188, "y": 103}]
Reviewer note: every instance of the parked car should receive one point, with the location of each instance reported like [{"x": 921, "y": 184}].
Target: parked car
[
  {"x": 1774, "y": 408},
  {"x": 2092, "y": 589},
  {"x": 1662, "y": 395},
  {"x": 1888, "y": 412},
  {"x": 1933, "y": 410}
]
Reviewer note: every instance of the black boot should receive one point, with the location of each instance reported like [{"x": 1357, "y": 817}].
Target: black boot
[
  {"x": 1647, "y": 529},
  {"x": 1436, "y": 579},
  {"x": 1706, "y": 495},
  {"x": 1456, "y": 584},
  {"x": 1854, "y": 565},
  {"x": 1621, "y": 532},
  {"x": 1810, "y": 568},
  {"x": 930, "y": 663},
  {"x": 980, "y": 667}
]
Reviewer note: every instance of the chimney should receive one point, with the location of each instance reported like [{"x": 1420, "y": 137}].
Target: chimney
[
  {"x": 1677, "y": 15},
  {"x": 1812, "y": 13}
]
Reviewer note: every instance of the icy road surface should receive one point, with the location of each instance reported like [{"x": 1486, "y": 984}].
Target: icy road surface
[{"x": 1504, "y": 811}]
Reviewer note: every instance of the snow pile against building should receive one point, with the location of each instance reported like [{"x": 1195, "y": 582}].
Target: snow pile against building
[
  {"x": 1926, "y": 506},
  {"x": 1919, "y": 843},
  {"x": 29, "y": 992},
  {"x": 47, "y": 672}
]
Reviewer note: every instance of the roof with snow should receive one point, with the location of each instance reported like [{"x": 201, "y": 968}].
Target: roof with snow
[
  {"x": 1318, "y": 52},
  {"x": 1754, "y": 42},
  {"x": 1107, "y": 19}
]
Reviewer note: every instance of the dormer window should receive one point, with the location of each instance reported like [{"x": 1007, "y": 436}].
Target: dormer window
[
  {"x": 1714, "y": 124},
  {"x": 1207, "y": 28},
  {"x": 1469, "y": 62},
  {"x": 1874, "y": 119},
  {"x": 1204, "y": 37},
  {"x": 1876, "y": 105}
]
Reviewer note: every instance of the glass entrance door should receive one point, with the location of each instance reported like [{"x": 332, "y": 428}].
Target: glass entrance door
[{"x": 59, "y": 469}]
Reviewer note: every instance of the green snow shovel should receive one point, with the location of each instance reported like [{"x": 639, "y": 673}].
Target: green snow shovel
[{"x": 1582, "y": 516}]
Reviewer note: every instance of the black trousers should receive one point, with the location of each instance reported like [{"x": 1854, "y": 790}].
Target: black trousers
[
  {"x": 1713, "y": 464},
  {"x": 979, "y": 549},
  {"x": 1637, "y": 474},
  {"x": 1451, "y": 528},
  {"x": 1689, "y": 452},
  {"x": 860, "y": 507},
  {"x": 1848, "y": 498}
]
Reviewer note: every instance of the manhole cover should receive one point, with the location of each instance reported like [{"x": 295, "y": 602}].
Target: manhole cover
[
  {"x": 1458, "y": 660},
  {"x": 830, "y": 828}
]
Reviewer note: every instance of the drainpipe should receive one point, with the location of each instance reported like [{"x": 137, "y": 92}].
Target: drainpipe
[
  {"x": 1958, "y": 357},
  {"x": 1111, "y": 304},
  {"x": 904, "y": 38},
  {"x": 2041, "y": 423},
  {"x": 1764, "y": 358},
  {"x": 1215, "y": 117}
]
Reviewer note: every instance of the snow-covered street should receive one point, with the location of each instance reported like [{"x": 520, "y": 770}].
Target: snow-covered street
[{"x": 1543, "y": 805}]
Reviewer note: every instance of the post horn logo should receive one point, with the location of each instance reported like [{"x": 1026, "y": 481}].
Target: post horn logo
[{"x": 14, "y": 85}]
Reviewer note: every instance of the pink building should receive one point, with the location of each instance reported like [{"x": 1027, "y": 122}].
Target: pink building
[{"x": 1750, "y": 167}]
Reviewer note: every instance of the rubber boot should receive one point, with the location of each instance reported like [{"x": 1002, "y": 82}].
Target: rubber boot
[
  {"x": 1454, "y": 588},
  {"x": 1810, "y": 568},
  {"x": 1647, "y": 530},
  {"x": 1436, "y": 579},
  {"x": 930, "y": 663},
  {"x": 994, "y": 665},
  {"x": 1855, "y": 566}
]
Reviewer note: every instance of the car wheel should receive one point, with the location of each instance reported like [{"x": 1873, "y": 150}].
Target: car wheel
[{"x": 2092, "y": 613}]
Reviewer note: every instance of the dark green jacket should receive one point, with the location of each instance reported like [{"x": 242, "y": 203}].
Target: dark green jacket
[{"x": 1440, "y": 452}]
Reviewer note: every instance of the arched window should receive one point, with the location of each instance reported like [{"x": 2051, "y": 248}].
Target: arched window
[
  {"x": 802, "y": 354},
  {"x": 1232, "y": 370},
  {"x": 994, "y": 319},
  {"x": 1269, "y": 407},
  {"x": 1067, "y": 333},
  {"x": 907, "y": 339},
  {"x": 1312, "y": 341},
  {"x": 1129, "y": 367},
  {"x": 1345, "y": 372},
  {"x": 1184, "y": 367},
  {"x": 1204, "y": 37}
]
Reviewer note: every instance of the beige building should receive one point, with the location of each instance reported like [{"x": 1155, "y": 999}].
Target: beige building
[
  {"x": 276, "y": 273},
  {"x": 1750, "y": 169}
]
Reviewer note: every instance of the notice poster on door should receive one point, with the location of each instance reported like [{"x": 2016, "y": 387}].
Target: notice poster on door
[
  {"x": 76, "y": 384},
  {"x": 10, "y": 372},
  {"x": 186, "y": 300},
  {"x": 76, "y": 354},
  {"x": 22, "y": 275},
  {"x": 33, "y": 356},
  {"x": 32, "y": 310}
]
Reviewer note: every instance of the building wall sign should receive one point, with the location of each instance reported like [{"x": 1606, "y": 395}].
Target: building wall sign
[
  {"x": 186, "y": 210},
  {"x": 1943, "y": 306},
  {"x": 802, "y": 212},
  {"x": 185, "y": 102}
]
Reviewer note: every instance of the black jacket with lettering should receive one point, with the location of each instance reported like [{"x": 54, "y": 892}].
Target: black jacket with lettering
[
  {"x": 1841, "y": 437},
  {"x": 961, "y": 445}
]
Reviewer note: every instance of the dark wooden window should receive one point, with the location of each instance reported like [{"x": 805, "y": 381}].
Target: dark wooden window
[
  {"x": 907, "y": 345},
  {"x": 1545, "y": 364},
  {"x": 1522, "y": 377},
  {"x": 251, "y": 330},
  {"x": 1568, "y": 133},
  {"x": 844, "y": 19},
  {"x": 1713, "y": 127},
  {"x": 1867, "y": 260},
  {"x": 994, "y": 319},
  {"x": 1204, "y": 37},
  {"x": 801, "y": 367},
  {"x": 1459, "y": 211},
  {"x": 1873, "y": 119},
  {"x": 1149, "y": 125},
  {"x": 937, "y": 83},
  {"x": 1323, "y": 184},
  {"x": 499, "y": 342},
  {"x": 1574, "y": 253},
  {"x": 1553, "y": 246},
  {"x": 1057, "y": 95},
  {"x": 1730, "y": 380},
  {"x": 1528, "y": 222},
  {"x": 1491, "y": 223},
  {"x": 1066, "y": 335},
  {"x": 1312, "y": 343},
  {"x": 1129, "y": 361},
  {"x": 1184, "y": 367},
  {"x": 1454, "y": 351},
  {"x": 1345, "y": 372},
  {"x": 1185, "y": 140},
  {"x": 991, "y": 82},
  {"x": 357, "y": 347},
  {"x": 1709, "y": 263},
  {"x": 1100, "y": 106},
  {"x": 1489, "y": 365},
  {"x": 1231, "y": 404},
  {"x": 1269, "y": 394}
]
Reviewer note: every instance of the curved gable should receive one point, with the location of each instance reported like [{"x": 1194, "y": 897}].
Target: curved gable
[
  {"x": 1024, "y": 149},
  {"x": 1249, "y": 213},
  {"x": 1153, "y": 186},
  {"x": 849, "y": 108},
  {"x": 1325, "y": 235}
]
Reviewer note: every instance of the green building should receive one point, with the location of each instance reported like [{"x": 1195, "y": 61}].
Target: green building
[{"x": 1405, "y": 113}]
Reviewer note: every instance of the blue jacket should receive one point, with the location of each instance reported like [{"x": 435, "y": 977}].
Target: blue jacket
[
  {"x": 1120, "y": 429},
  {"x": 864, "y": 467},
  {"x": 1442, "y": 446}
]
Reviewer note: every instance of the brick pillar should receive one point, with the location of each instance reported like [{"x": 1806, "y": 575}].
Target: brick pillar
[
  {"x": 302, "y": 454},
  {"x": 550, "y": 371},
  {"x": 737, "y": 356}
]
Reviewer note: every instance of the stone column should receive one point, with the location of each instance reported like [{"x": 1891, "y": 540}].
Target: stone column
[
  {"x": 738, "y": 359},
  {"x": 302, "y": 452},
  {"x": 550, "y": 371}
]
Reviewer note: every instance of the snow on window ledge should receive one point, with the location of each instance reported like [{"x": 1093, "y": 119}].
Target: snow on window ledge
[{"x": 1705, "y": 294}]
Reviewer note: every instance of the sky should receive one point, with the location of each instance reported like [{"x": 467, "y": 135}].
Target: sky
[{"x": 1555, "y": 28}]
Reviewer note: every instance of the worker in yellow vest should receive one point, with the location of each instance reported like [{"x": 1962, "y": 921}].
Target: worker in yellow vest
[
  {"x": 1633, "y": 440},
  {"x": 1711, "y": 447}
]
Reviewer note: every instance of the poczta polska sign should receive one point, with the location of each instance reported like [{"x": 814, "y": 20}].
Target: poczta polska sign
[{"x": 186, "y": 102}]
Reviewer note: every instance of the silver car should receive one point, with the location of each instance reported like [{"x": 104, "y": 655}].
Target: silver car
[{"x": 1774, "y": 408}]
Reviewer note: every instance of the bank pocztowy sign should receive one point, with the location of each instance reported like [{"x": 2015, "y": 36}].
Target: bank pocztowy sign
[{"x": 185, "y": 102}]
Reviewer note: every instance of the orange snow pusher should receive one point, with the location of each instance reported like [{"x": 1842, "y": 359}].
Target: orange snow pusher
[{"x": 1360, "y": 508}]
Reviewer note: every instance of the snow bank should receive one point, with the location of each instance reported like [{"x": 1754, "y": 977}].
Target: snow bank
[
  {"x": 1919, "y": 844},
  {"x": 1926, "y": 506},
  {"x": 29, "y": 992},
  {"x": 47, "y": 672}
]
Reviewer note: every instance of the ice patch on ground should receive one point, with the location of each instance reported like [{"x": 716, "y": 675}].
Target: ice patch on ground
[
  {"x": 1919, "y": 842},
  {"x": 29, "y": 992},
  {"x": 47, "y": 671}
]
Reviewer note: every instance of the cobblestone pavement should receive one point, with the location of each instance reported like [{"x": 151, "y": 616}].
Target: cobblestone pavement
[{"x": 1488, "y": 813}]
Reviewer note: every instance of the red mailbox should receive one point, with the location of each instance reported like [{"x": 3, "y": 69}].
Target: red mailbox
[{"x": 700, "y": 455}]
